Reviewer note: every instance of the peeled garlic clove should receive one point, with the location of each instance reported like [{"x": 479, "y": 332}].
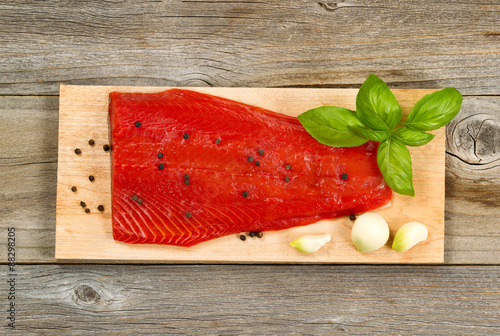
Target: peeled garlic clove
[
  {"x": 311, "y": 243},
  {"x": 369, "y": 232},
  {"x": 409, "y": 235}
]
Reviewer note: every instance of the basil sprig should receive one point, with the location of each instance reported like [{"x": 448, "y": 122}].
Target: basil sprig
[{"x": 376, "y": 118}]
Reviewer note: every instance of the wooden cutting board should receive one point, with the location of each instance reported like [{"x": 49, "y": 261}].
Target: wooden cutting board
[{"x": 83, "y": 113}]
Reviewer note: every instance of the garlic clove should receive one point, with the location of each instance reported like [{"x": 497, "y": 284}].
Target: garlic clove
[
  {"x": 369, "y": 232},
  {"x": 409, "y": 235},
  {"x": 311, "y": 243}
]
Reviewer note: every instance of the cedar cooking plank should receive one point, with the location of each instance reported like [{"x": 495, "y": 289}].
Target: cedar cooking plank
[{"x": 83, "y": 114}]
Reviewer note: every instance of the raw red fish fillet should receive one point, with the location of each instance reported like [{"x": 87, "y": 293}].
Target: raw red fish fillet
[{"x": 296, "y": 181}]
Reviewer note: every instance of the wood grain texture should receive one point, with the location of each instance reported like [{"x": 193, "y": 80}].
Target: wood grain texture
[
  {"x": 255, "y": 43},
  {"x": 257, "y": 300},
  {"x": 473, "y": 181},
  {"x": 83, "y": 115},
  {"x": 28, "y": 165},
  {"x": 290, "y": 43}
]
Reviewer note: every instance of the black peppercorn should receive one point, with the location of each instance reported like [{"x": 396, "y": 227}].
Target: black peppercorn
[
  {"x": 91, "y": 142},
  {"x": 251, "y": 234},
  {"x": 73, "y": 189},
  {"x": 260, "y": 234},
  {"x": 91, "y": 178},
  {"x": 352, "y": 217},
  {"x": 78, "y": 151},
  {"x": 106, "y": 148},
  {"x": 83, "y": 204},
  {"x": 87, "y": 210},
  {"x": 242, "y": 237},
  {"x": 137, "y": 124},
  {"x": 100, "y": 208},
  {"x": 344, "y": 176}
]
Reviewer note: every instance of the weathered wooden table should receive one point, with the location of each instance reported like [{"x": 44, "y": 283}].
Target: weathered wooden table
[{"x": 288, "y": 43}]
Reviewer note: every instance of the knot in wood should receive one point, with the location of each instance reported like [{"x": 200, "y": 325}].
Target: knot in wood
[
  {"x": 329, "y": 6},
  {"x": 476, "y": 139},
  {"x": 86, "y": 294}
]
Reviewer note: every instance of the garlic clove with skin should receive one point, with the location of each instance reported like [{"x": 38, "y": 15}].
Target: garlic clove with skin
[
  {"x": 409, "y": 235},
  {"x": 311, "y": 243}
]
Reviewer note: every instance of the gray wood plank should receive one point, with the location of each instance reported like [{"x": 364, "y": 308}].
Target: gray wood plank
[
  {"x": 28, "y": 168},
  {"x": 473, "y": 183},
  {"x": 289, "y": 43},
  {"x": 258, "y": 300},
  {"x": 28, "y": 165}
]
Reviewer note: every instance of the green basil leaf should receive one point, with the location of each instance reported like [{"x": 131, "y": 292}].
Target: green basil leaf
[
  {"x": 376, "y": 105},
  {"x": 394, "y": 161},
  {"x": 411, "y": 137},
  {"x": 329, "y": 125},
  {"x": 435, "y": 110},
  {"x": 367, "y": 133}
]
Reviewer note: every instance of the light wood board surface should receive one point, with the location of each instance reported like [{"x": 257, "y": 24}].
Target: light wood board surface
[{"x": 88, "y": 236}]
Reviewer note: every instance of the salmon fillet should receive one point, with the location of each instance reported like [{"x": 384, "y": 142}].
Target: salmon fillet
[{"x": 188, "y": 167}]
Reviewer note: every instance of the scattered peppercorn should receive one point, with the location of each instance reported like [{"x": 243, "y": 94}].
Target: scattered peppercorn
[
  {"x": 261, "y": 151},
  {"x": 91, "y": 142},
  {"x": 139, "y": 201},
  {"x": 137, "y": 124},
  {"x": 87, "y": 210},
  {"x": 73, "y": 189},
  {"x": 134, "y": 197},
  {"x": 160, "y": 155},
  {"x": 83, "y": 204},
  {"x": 100, "y": 208},
  {"x": 188, "y": 214},
  {"x": 91, "y": 178},
  {"x": 242, "y": 237},
  {"x": 250, "y": 159},
  {"x": 245, "y": 194},
  {"x": 287, "y": 179},
  {"x": 257, "y": 163},
  {"x": 251, "y": 234},
  {"x": 187, "y": 176},
  {"x": 186, "y": 182},
  {"x": 78, "y": 151},
  {"x": 260, "y": 234},
  {"x": 352, "y": 217},
  {"x": 106, "y": 148},
  {"x": 288, "y": 166},
  {"x": 185, "y": 136},
  {"x": 217, "y": 141},
  {"x": 161, "y": 166},
  {"x": 344, "y": 176}
]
